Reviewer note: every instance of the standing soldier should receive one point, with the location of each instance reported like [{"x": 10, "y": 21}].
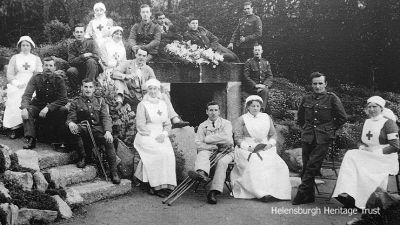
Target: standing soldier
[
  {"x": 95, "y": 111},
  {"x": 247, "y": 33},
  {"x": 49, "y": 103},
  {"x": 145, "y": 35},
  {"x": 320, "y": 115}
]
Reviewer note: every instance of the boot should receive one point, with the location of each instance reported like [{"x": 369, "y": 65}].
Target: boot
[
  {"x": 81, "y": 163},
  {"x": 212, "y": 197},
  {"x": 303, "y": 198},
  {"x": 115, "y": 178},
  {"x": 30, "y": 143}
]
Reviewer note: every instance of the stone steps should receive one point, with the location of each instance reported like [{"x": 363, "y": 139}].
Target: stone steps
[
  {"x": 65, "y": 175},
  {"x": 96, "y": 190},
  {"x": 50, "y": 158}
]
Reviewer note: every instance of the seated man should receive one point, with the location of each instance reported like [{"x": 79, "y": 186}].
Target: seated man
[
  {"x": 145, "y": 34},
  {"x": 257, "y": 77},
  {"x": 49, "y": 103},
  {"x": 130, "y": 77},
  {"x": 83, "y": 57},
  {"x": 212, "y": 135},
  {"x": 95, "y": 110}
]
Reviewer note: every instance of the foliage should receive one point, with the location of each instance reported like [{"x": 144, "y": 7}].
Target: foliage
[
  {"x": 179, "y": 157},
  {"x": 284, "y": 96},
  {"x": 349, "y": 136},
  {"x": 292, "y": 136},
  {"x": 30, "y": 199},
  {"x": 7, "y": 52},
  {"x": 56, "y": 31},
  {"x": 123, "y": 119},
  {"x": 59, "y": 49}
]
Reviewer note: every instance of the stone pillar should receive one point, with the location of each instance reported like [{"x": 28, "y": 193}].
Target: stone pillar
[{"x": 233, "y": 100}]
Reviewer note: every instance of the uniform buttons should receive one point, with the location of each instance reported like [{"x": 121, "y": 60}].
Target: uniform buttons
[
  {"x": 315, "y": 126},
  {"x": 315, "y": 118},
  {"x": 91, "y": 114},
  {"x": 315, "y": 111},
  {"x": 90, "y": 106}
]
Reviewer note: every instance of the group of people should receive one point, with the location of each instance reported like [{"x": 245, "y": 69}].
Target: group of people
[{"x": 258, "y": 171}]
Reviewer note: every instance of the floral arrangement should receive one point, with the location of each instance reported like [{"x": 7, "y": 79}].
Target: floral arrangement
[{"x": 189, "y": 53}]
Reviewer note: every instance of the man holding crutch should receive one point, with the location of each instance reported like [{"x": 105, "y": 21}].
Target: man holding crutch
[
  {"x": 94, "y": 112},
  {"x": 214, "y": 134}
]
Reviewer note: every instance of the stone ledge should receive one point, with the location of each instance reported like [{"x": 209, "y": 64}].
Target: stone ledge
[
  {"x": 95, "y": 191},
  {"x": 70, "y": 174},
  {"x": 50, "y": 158},
  {"x": 25, "y": 216}
]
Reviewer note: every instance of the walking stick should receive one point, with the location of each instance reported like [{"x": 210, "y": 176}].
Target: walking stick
[{"x": 95, "y": 149}]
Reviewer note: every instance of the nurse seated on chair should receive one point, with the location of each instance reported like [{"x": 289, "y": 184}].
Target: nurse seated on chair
[
  {"x": 157, "y": 167},
  {"x": 259, "y": 171},
  {"x": 368, "y": 167}
]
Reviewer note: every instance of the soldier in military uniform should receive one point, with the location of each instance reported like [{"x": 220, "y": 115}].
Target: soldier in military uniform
[
  {"x": 320, "y": 115},
  {"x": 49, "y": 103},
  {"x": 257, "y": 77},
  {"x": 83, "y": 56},
  {"x": 247, "y": 33},
  {"x": 95, "y": 110},
  {"x": 145, "y": 35}
]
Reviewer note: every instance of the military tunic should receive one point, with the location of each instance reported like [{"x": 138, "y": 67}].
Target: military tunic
[
  {"x": 83, "y": 67},
  {"x": 249, "y": 27},
  {"x": 94, "y": 110},
  {"x": 147, "y": 35},
  {"x": 51, "y": 92},
  {"x": 319, "y": 116},
  {"x": 258, "y": 71}
]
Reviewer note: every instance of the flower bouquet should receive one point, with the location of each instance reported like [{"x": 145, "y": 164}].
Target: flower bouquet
[{"x": 189, "y": 53}]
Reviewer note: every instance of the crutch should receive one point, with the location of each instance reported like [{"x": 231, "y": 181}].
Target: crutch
[
  {"x": 95, "y": 149},
  {"x": 189, "y": 182}
]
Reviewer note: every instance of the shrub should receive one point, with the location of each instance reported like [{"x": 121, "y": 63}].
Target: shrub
[
  {"x": 349, "y": 136},
  {"x": 8, "y": 52},
  {"x": 30, "y": 199},
  {"x": 292, "y": 136},
  {"x": 56, "y": 31},
  {"x": 59, "y": 49}
]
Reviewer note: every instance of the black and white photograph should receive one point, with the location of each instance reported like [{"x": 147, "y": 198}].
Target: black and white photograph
[{"x": 199, "y": 112}]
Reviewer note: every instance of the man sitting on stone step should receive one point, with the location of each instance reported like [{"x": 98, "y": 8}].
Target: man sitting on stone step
[
  {"x": 214, "y": 134},
  {"x": 95, "y": 111},
  {"x": 130, "y": 77},
  {"x": 49, "y": 104}
]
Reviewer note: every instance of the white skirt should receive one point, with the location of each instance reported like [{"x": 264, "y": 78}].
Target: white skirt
[
  {"x": 362, "y": 172},
  {"x": 158, "y": 161},
  {"x": 12, "y": 113},
  {"x": 257, "y": 177}
]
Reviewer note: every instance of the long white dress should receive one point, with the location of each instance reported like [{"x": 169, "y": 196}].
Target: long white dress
[
  {"x": 158, "y": 159},
  {"x": 363, "y": 171},
  {"x": 112, "y": 54},
  {"x": 19, "y": 72},
  {"x": 256, "y": 177}
]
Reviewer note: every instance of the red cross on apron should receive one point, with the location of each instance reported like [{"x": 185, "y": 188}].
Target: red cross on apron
[{"x": 26, "y": 66}]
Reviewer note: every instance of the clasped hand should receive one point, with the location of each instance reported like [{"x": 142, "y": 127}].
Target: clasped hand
[{"x": 160, "y": 138}]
